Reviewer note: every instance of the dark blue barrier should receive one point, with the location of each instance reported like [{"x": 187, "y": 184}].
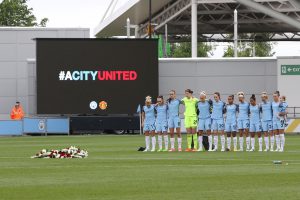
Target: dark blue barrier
[{"x": 9, "y": 127}]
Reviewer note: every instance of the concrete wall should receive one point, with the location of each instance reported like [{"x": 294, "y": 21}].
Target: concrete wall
[
  {"x": 288, "y": 85},
  {"x": 16, "y": 78},
  {"x": 227, "y": 76}
]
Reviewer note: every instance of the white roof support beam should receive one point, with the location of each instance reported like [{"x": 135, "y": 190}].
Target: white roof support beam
[
  {"x": 194, "y": 28},
  {"x": 268, "y": 11},
  {"x": 295, "y": 3}
]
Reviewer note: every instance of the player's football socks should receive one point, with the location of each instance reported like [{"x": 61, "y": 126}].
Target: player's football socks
[
  {"x": 277, "y": 139},
  {"x": 200, "y": 145},
  {"x": 179, "y": 141},
  {"x": 266, "y": 143},
  {"x": 216, "y": 142},
  {"x": 189, "y": 141},
  {"x": 147, "y": 141},
  {"x": 241, "y": 140},
  {"x": 223, "y": 142},
  {"x": 247, "y": 143},
  {"x": 210, "y": 142},
  {"x": 252, "y": 143},
  {"x": 159, "y": 139},
  {"x": 260, "y": 144},
  {"x": 235, "y": 143},
  {"x": 229, "y": 143},
  {"x": 272, "y": 138},
  {"x": 153, "y": 143},
  {"x": 282, "y": 142},
  {"x": 172, "y": 141},
  {"x": 195, "y": 140},
  {"x": 166, "y": 139}
]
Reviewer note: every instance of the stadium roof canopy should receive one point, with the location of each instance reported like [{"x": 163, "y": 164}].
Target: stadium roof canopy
[{"x": 280, "y": 18}]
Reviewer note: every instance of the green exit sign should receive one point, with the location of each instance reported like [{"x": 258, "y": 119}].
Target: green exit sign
[{"x": 290, "y": 69}]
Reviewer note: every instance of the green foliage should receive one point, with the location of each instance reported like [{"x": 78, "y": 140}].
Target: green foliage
[
  {"x": 183, "y": 50},
  {"x": 245, "y": 49},
  {"x": 17, "y": 13}
]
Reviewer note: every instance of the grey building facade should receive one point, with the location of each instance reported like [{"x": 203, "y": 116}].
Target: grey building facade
[{"x": 225, "y": 75}]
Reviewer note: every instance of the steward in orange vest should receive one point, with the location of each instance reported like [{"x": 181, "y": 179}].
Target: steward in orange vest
[{"x": 17, "y": 112}]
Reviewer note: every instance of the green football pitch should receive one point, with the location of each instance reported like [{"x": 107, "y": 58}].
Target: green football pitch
[{"x": 116, "y": 170}]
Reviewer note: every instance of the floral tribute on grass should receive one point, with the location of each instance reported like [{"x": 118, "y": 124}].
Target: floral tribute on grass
[{"x": 70, "y": 152}]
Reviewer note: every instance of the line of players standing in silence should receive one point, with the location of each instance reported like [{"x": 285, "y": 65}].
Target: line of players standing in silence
[{"x": 213, "y": 117}]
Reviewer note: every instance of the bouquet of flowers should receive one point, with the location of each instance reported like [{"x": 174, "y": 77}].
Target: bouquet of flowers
[{"x": 70, "y": 152}]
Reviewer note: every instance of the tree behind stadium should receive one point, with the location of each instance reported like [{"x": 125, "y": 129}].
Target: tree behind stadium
[
  {"x": 249, "y": 48},
  {"x": 183, "y": 50},
  {"x": 17, "y": 13}
]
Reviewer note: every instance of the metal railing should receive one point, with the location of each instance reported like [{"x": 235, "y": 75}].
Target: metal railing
[{"x": 293, "y": 112}]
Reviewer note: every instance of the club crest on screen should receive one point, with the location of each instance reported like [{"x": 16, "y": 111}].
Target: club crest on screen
[
  {"x": 103, "y": 105},
  {"x": 93, "y": 105}
]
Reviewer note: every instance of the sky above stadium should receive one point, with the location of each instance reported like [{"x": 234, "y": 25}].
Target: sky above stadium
[{"x": 88, "y": 13}]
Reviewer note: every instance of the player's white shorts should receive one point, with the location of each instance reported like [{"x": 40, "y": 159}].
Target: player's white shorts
[
  {"x": 161, "y": 126},
  {"x": 267, "y": 125},
  {"x": 174, "y": 122},
  {"x": 278, "y": 124},
  {"x": 204, "y": 124},
  {"x": 217, "y": 125},
  {"x": 243, "y": 124},
  {"x": 255, "y": 127},
  {"x": 230, "y": 126}
]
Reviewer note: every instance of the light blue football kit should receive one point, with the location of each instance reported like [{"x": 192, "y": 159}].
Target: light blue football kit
[
  {"x": 204, "y": 122},
  {"x": 149, "y": 121},
  {"x": 255, "y": 124},
  {"x": 173, "y": 113},
  {"x": 161, "y": 124},
  {"x": 278, "y": 121},
  {"x": 230, "y": 123},
  {"x": 266, "y": 116},
  {"x": 243, "y": 116},
  {"x": 217, "y": 115}
]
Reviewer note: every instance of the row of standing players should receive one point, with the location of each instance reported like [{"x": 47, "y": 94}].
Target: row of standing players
[{"x": 215, "y": 118}]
